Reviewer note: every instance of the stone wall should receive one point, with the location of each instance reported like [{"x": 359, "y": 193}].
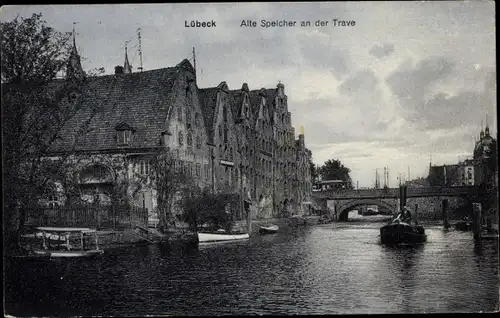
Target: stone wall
[{"x": 430, "y": 208}]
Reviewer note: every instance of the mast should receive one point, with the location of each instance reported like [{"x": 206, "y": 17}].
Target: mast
[
  {"x": 387, "y": 176},
  {"x": 140, "y": 48},
  {"x": 194, "y": 60}
]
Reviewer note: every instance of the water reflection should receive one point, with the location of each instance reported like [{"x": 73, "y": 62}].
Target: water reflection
[{"x": 328, "y": 269}]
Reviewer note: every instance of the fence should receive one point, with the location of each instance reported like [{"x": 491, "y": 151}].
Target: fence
[{"x": 94, "y": 216}]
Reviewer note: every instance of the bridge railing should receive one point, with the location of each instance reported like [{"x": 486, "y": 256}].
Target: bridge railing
[{"x": 393, "y": 192}]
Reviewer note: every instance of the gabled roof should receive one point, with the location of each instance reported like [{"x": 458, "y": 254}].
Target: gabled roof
[
  {"x": 255, "y": 102},
  {"x": 208, "y": 103},
  {"x": 141, "y": 100},
  {"x": 236, "y": 103},
  {"x": 123, "y": 126},
  {"x": 185, "y": 64}
]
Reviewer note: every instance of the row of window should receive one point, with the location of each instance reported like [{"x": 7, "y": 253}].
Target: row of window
[
  {"x": 227, "y": 153},
  {"x": 197, "y": 118},
  {"x": 189, "y": 139}
]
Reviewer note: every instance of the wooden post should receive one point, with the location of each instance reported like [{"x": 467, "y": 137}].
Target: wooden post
[
  {"x": 249, "y": 219},
  {"x": 96, "y": 244},
  {"x": 81, "y": 241},
  {"x": 416, "y": 213},
  {"x": 476, "y": 220},
  {"x": 444, "y": 213}
]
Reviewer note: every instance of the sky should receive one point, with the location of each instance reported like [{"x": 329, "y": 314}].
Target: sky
[{"x": 408, "y": 83}]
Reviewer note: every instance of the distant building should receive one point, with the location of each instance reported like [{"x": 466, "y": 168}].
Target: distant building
[
  {"x": 485, "y": 159},
  {"x": 445, "y": 175}
]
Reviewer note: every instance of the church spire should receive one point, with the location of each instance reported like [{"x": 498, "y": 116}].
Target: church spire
[
  {"x": 127, "y": 68},
  {"x": 74, "y": 68},
  {"x": 487, "y": 129}
]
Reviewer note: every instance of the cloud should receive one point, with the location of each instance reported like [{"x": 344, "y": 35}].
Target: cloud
[
  {"x": 359, "y": 98},
  {"x": 363, "y": 81},
  {"x": 381, "y": 51}
]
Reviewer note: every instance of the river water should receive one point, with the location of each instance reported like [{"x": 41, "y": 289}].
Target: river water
[{"x": 325, "y": 269}]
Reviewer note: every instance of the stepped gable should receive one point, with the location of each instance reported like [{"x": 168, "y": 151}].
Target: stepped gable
[
  {"x": 140, "y": 100},
  {"x": 270, "y": 97},
  {"x": 208, "y": 101}
]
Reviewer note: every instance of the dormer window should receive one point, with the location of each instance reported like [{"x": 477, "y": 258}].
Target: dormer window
[
  {"x": 123, "y": 137},
  {"x": 124, "y": 133}
]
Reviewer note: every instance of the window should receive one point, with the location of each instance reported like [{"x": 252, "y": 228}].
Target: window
[
  {"x": 220, "y": 131},
  {"x": 224, "y": 114},
  {"x": 189, "y": 139},
  {"x": 207, "y": 172},
  {"x": 123, "y": 137},
  {"x": 188, "y": 116},
  {"x": 198, "y": 170},
  {"x": 144, "y": 167},
  {"x": 198, "y": 142},
  {"x": 181, "y": 138},
  {"x": 72, "y": 97},
  {"x": 179, "y": 114},
  {"x": 225, "y": 135},
  {"x": 197, "y": 119}
]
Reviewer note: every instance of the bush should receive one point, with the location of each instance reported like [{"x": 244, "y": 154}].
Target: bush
[{"x": 203, "y": 207}]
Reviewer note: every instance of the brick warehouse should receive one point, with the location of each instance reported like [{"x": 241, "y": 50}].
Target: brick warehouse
[{"x": 236, "y": 141}]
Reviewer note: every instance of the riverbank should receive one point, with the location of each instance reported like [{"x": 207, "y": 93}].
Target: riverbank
[{"x": 180, "y": 235}]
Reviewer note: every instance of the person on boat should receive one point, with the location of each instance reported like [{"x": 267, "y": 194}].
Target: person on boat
[{"x": 406, "y": 215}]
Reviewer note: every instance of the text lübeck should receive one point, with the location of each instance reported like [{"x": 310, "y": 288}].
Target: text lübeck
[{"x": 198, "y": 24}]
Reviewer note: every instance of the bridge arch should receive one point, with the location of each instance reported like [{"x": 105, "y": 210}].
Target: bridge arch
[{"x": 343, "y": 208}]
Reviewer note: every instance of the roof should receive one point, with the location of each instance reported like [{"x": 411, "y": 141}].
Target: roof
[
  {"x": 254, "y": 97},
  {"x": 208, "y": 103},
  {"x": 236, "y": 103},
  {"x": 138, "y": 100}
]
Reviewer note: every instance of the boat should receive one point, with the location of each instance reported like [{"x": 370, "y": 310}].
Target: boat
[
  {"x": 268, "y": 229},
  {"x": 463, "y": 225},
  {"x": 401, "y": 230},
  {"x": 221, "y": 236},
  {"x": 63, "y": 242}
]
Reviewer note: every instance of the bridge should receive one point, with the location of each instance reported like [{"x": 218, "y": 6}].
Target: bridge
[{"x": 429, "y": 199}]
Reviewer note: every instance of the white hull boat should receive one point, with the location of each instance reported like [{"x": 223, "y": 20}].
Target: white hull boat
[
  {"x": 270, "y": 229},
  {"x": 221, "y": 237}
]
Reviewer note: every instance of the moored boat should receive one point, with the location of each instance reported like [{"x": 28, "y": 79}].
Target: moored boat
[
  {"x": 221, "y": 236},
  {"x": 463, "y": 226},
  {"x": 268, "y": 229},
  {"x": 63, "y": 242}
]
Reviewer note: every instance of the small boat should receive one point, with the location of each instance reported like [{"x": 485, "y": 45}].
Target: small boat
[
  {"x": 221, "y": 236},
  {"x": 268, "y": 229},
  {"x": 61, "y": 242},
  {"x": 400, "y": 230},
  {"x": 463, "y": 225}
]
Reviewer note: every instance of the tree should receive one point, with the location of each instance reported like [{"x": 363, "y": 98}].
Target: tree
[
  {"x": 334, "y": 170},
  {"x": 168, "y": 177},
  {"x": 204, "y": 207},
  {"x": 34, "y": 109},
  {"x": 314, "y": 168}
]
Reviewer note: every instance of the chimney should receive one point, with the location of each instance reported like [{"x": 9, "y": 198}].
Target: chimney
[{"x": 118, "y": 69}]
